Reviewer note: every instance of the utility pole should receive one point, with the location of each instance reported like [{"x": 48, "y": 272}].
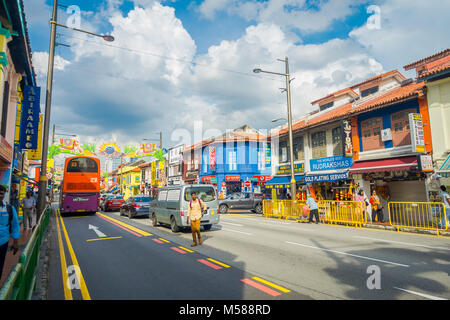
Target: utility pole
[
  {"x": 291, "y": 144},
  {"x": 43, "y": 180},
  {"x": 53, "y": 134},
  {"x": 160, "y": 140}
]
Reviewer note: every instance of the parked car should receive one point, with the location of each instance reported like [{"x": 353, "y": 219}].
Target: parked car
[
  {"x": 241, "y": 200},
  {"x": 135, "y": 206},
  {"x": 171, "y": 206},
  {"x": 112, "y": 203},
  {"x": 102, "y": 199}
]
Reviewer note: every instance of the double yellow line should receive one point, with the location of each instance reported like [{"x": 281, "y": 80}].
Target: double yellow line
[{"x": 65, "y": 273}]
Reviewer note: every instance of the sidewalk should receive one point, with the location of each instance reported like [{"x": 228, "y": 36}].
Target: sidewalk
[{"x": 11, "y": 259}]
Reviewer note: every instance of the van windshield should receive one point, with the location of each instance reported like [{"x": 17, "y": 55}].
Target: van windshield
[{"x": 206, "y": 194}]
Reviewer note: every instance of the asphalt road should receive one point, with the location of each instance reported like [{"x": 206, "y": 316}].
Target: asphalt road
[{"x": 244, "y": 257}]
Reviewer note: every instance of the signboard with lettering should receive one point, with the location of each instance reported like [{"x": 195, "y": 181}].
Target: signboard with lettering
[
  {"x": 233, "y": 178},
  {"x": 425, "y": 163},
  {"x": 330, "y": 163},
  {"x": 29, "y": 124},
  {"x": 326, "y": 177},
  {"x": 417, "y": 138},
  {"x": 347, "y": 138},
  {"x": 212, "y": 158},
  {"x": 36, "y": 154},
  {"x": 286, "y": 169},
  {"x": 268, "y": 156}
]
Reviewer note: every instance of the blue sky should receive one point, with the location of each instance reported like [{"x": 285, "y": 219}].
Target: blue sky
[{"x": 144, "y": 81}]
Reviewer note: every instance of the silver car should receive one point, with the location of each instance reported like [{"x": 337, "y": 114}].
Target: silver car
[{"x": 171, "y": 206}]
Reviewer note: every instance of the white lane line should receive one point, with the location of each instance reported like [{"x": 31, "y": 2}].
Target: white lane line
[
  {"x": 349, "y": 254},
  {"x": 249, "y": 234},
  {"x": 232, "y": 224},
  {"x": 288, "y": 227},
  {"x": 421, "y": 294},
  {"x": 406, "y": 243}
]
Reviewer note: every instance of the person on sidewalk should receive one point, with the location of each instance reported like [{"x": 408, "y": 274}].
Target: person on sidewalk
[
  {"x": 28, "y": 205},
  {"x": 9, "y": 228},
  {"x": 445, "y": 197},
  {"x": 313, "y": 209},
  {"x": 195, "y": 213},
  {"x": 362, "y": 198},
  {"x": 377, "y": 209}
]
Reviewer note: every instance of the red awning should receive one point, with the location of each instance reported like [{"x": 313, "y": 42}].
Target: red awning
[{"x": 396, "y": 164}]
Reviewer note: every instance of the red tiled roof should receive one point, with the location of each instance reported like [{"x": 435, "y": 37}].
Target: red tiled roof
[
  {"x": 378, "y": 77},
  {"x": 429, "y": 59},
  {"x": 398, "y": 94},
  {"x": 336, "y": 94},
  {"x": 445, "y": 65}
]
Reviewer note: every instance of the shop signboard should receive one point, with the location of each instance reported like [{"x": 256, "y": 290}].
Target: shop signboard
[
  {"x": 425, "y": 163},
  {"x": 417, "y": 138},
  {"x": 347, "y": 138},
  {"x": 326, "y": 177},
  {"x": 268, "y": 156},
  {"x": 446, "y": 164},
  {"x": 212, "y": 158},
  {"x": 29, "y": 124},
  {"x": 331, "y": 163},
  {"x": 35, "y": 154},
  {"x": 233, "y": 178},
  {"x": 286, "y": 169}
]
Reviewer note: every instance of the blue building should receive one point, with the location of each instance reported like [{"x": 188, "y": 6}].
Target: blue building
[{"x": 239, "y": 160}]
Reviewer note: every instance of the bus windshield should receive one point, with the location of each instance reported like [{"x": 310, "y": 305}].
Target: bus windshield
[{"x": 82, "y": 165}]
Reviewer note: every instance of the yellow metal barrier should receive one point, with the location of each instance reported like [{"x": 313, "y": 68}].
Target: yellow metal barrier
[
  {"x": 418, "y": 215},
  {"x": 284, "y": 209},
  {"x": 351, "y": 213}
]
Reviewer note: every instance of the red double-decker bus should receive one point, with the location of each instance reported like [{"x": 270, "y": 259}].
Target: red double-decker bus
[{"x": 80, "y": 188}]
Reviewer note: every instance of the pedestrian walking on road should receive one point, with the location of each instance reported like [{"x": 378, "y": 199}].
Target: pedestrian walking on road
[
  {"x": 195, "y": 213},
  {"x": 9, "y": 228},
  {"x": 28, "y": 205},
  {"x": 314, "y": 209},
  {"x": 377, "y": 209},
  {"x": 445, "y": 197}
]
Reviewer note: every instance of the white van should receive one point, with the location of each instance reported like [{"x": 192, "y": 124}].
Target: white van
[{"x": 171, "y": 206}]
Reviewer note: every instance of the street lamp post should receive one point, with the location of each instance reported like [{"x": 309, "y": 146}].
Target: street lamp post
[
  {"x": 43, "y": 180},
  {"x": 288, "y": 91}
]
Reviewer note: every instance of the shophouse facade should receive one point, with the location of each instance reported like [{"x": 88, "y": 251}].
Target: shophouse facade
[{"x": 175, "y": 165}]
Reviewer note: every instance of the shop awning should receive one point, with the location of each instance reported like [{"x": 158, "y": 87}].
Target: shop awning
[
  {"x": 283, "y": 181},
  {"x": 396, "y": 164}
]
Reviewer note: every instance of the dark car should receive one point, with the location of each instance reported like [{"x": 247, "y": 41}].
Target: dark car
[
  {"x": 112, "y": 203},
  {"x": 240, "y": 200},
  {"x": 138, "y": 205},
  {"x": 102, "y": 200}
]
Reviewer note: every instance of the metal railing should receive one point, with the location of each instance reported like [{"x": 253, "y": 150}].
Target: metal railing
[
  {"x": 350, "y": 213},
  {"x": 418, "y": 215},
  {"x": 21, "y": 281},
  {"x": 284, "y": 209}
]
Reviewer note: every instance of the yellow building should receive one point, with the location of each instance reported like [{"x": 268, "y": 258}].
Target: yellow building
[{"x": 129, "y": 178}]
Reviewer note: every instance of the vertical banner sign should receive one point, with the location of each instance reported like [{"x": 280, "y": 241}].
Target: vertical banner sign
[
  {"x": 347, "y": 138},
  {"x": 35, "y": 154},
  {"x": 268, "y": 156},
  {"x": 416, "y": 127},
  {"x": 212, "y": 158},
  {"x": 29, "y": 124}
]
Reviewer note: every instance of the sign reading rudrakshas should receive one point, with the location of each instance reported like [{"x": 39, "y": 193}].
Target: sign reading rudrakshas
[
  {"x": 29, "y": 123},
  {"x": 347, "y": 138}
]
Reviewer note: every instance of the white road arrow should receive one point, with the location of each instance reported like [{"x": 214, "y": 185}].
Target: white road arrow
[{"x": 99, "y": 233}]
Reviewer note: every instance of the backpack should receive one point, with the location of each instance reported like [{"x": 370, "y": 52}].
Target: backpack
[{"x": 199, "y": 202}]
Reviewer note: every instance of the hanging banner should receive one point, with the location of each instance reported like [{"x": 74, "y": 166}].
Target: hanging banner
[
  {"x": 417, "y": 138},
  {"x": 36, "y": 154},
  {"x": 212, "y": 158},
  {"x": 268, "y": 156},
  {"x": 29, "y": 124},
  {"x": 347, "y": 138}
]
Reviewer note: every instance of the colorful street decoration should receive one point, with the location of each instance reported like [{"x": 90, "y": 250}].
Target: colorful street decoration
[{"x": 110, "y": 150}]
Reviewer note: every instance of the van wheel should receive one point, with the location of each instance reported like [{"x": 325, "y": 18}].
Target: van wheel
[
  {"x": 154, "y": 220},
  {"x": 173, "y": 225},
  {"x": 223, "y": 208},
  {"x": 207, "y": 227},
  {"x": 259, "y": 208}
]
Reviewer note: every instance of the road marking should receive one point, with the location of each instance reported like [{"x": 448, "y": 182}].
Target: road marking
[
  {"x": 271, "y": 284},
  {"x": 166, "y": 241},
  {"x": 65, "y": 276},
  {"x": 118, "y": 225},
  {"x": 98, "y": 232},
  {"x": 350, "y": 254},
  {"x": 109, "y": 238},
  {"x": 219, "y": 263},
  {"x": 421, "y": 294},
  {"x": 141, "y": 232},
  {"x": 209, "y": 264},
  {"x": 83, "y": 288},
  {"x": 249, "y": 234},
  {"x": 406, "y": 243},
  {"x": 185, "y": 249},
  {"x": 157, "y": 241},
  {"x": 232, "y": 224},
  {"x": 178, "y": 250},
  {"x": 261, "y": 287}
]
